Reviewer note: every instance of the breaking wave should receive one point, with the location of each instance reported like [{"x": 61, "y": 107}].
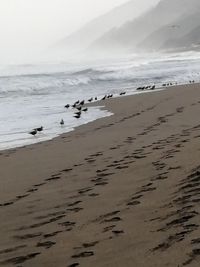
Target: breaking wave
[{"x": 31, "y": 79}]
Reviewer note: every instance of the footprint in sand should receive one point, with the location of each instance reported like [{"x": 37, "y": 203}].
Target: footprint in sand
[
  {"x": 46, "y": 244},
  {"x": 84, "y": 254}
]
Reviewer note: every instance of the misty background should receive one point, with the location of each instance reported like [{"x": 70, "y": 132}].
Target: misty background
[
  {"x": 30, "y": 28},
  {"x": 34, "y": 31}
]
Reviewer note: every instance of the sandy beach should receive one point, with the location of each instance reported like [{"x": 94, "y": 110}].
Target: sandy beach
[{"x": 121, "y": 191}]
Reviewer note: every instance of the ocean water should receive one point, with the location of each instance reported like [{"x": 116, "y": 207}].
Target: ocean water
[{"x": 35, "y": 95}]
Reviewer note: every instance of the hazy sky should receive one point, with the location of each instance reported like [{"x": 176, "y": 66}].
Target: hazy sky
[{"x": 27, "y": 26}]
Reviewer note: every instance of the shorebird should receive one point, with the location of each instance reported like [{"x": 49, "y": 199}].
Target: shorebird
[
  {"x": 90, "y": 100},
  {"x": 62, "y": 122},
  {"x": 95, "y": 98},
  {"x": 79, "y": 108},
  {"x": 67, "y": 106},
  {"x": 104, "y": 97},
  {"x": 141, "y": 88},
  {"x": 122, "y": 93},
  {"x": 85, "y": 109},
  {"x": 110, "y": 96},
  {"x": 82, "y": 103},
  {"x": 77, "y": 116},
  {"x": 39, "y": 129},
  {"x": 33, "y": 132},
  {"x": 78, "y": 113}
]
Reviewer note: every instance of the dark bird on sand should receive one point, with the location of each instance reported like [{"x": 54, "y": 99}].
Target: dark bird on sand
[
  {"x": 62, "y": 122},
  {"x": 85, "y": 109},
  {"x": 104, "y": 97},
  {"x": 82, "y": 102},
  {"x": 77, "y": 116},
  {"x": 33, "y": 132},
  {"x": 78, "y": 113},
  {"x": 79, "y": 108},
  {"x": 39, "y": 129},
  {"x": 90, "y": 100},
  {"x": 122, "y": 93},
  {"x": 77, "y": 102},
  {"x": 141, "y": 88},
  {"x": 67, "y": 106},
  {"x": 95, "y": 98}
]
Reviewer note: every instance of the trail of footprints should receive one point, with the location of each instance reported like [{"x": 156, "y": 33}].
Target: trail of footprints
[
  {"x": 186, "y": 202},
  {"x": 184, "y": 218}
]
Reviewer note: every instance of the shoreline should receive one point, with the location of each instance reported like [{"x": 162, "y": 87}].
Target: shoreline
[
  {"x": 119, "y": 191},
  {"x": 100, "y": 105},
  {"x": 96, "y": 104}
]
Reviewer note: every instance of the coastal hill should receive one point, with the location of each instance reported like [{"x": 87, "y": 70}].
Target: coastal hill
[
  {"x": 183, "y": 33},
  {"x": 95, "y": 29},
  {"x": 170, "y": 25},
  {"x": 165, "y": 25}
]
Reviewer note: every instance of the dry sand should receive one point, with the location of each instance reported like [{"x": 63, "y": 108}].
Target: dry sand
[{"x": 121, "y": 191}]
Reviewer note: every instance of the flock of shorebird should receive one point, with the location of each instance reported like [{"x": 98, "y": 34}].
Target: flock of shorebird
[{"x": 80, "y": 108}]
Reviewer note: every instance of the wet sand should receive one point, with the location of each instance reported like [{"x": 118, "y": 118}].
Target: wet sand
[{"x": 121, "y": 191}]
